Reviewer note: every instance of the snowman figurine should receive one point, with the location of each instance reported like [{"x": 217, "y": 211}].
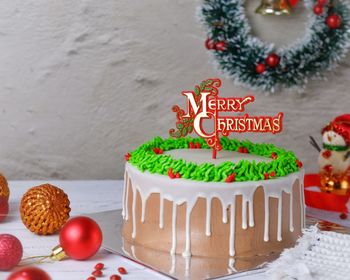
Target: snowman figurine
[{"x": 334, "y": 157}]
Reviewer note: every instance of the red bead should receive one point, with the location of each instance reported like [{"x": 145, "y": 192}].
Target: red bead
[
  {"x": 230, "y": 178},
  {"x": 327, "y": 154},
  {"x": 273, "y": 174},
  {"x": 99, "y": 266},
  {"x": 273, "y": 155},
  {"x": 209, "y": 44},
  {"x": 322, "y": 2},
  {"x": 127, "y": 156},
  {"x": 299, "y": 163},
  {"x": 272, "y": 60},
  {"x": 91, "y": 278},
  {"x": 191, "y": 145},
  {"x": 328, "y": 168},
  {"x": 97, "y": 273},
  {"x": 333, "y": 21},
  {"x": 240, "y": 149},
  {"x": 318, "y": 9},
  {"x": 266, "y": 176},
  {"x": 122, "y": 270},
  {"x": 81, "y": 238},
  {"x": 343, "y": 216},
  {"x": 220, "y": 46},
  {"x": 260, "y": 68},
  {"x": 198, "y": 145},
  {"x": 171, "y": 174},
  {"x": 115, "y": 277},
  {"x": 178, "y": 175},
  {"x": 245, "y": 150}
]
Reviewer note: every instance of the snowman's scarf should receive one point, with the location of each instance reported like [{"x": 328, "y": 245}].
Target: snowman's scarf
[{"x": 319, "y": 255}]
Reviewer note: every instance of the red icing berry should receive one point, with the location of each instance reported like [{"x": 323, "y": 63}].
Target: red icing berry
[
  {"x": 240, "y": 150},
  {"x": 191, "y": 145},
  {"x": 299, "y": 163},
  {"x": 274, "y": 155},
  {"x": 245, "y": 150},
  {"x": 327, "y": 154},
  {"x": 91, "y": 278},
  {"x": 198, "y": 145},
  {"x": 122, "y": 270},
  {"x": 115, "y": 277},
  {"x": 230, "y": 178},
  {"x": 266, "y": 176},
  {"x": 209, "y": 44},
  {"x": 333, "y": 21},
  {"x": 220, "y": 46},
  {"x": 322, "y": 2},
  {"x": 343, "y": 216},
  {"x": 171, "y": 174},
  {"x": 99, "y": 266},
  {"x": 97, "y": 273},
  {"x": 272, "y": 60},
  {"x": 273, "y": 174},
  {"x": 127, "y": 156},
  {"x": 318, "y": 9},
  {"x": 178, "y": 175},
  {"x": 158, "y": 151},
  {"x": 328, "y": 168},
  {"x": 260, "y": 68}
]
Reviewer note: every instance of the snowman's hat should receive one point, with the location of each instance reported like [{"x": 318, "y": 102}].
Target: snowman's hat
[{"x": 340, "y": 125}]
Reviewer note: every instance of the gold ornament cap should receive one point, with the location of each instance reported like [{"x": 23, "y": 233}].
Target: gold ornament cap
[{"x": 58, "y": 254}]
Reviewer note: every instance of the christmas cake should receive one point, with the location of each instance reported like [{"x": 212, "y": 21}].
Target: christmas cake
[{"x": 246, "y": 202}]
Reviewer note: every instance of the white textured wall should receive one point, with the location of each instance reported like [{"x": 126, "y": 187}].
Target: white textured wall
[{"x": 82, "y": 82}]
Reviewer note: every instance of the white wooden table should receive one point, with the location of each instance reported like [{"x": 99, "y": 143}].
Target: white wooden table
[{"x": 85, "y": 197}]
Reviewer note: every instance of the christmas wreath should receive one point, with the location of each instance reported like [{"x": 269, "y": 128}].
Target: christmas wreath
[{"x": 251, "y": 62}]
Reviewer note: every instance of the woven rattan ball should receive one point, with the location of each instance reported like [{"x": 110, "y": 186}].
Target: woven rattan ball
[
  {"x": 44, "y": 209},
  {"x": 4, "y": 188}
]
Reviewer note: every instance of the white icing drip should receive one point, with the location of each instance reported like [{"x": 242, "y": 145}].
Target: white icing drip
[
  {"x": 181, "y": 191},
  {"x": 161, "y": 213},
  {"x": 291, "y": 218},
  {"x": 267, "y": 218},
  {"x": 126, "y": 205},
  {"x": 134, "y": 190},
  {"x": 124, "y": 195},
  {"x": 143, "y": 208},
  {"x": 173, "y": 233},
  {"x": 208, "y": 218},
  {"x": 232, "y": 228},
  {"x": 244, "y": 213},
  {"x": 173, "y": 264},
  {"x": 279, "y": 219},
  {"x": 251, "y": 211}
]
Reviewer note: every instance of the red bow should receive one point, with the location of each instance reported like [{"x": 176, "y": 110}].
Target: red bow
[{"x": 293, "y": 3}]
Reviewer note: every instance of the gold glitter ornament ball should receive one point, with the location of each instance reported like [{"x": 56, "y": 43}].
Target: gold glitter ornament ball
[
  {"x": 4, "y": 188},
  {"x": 44, "y": 209}
]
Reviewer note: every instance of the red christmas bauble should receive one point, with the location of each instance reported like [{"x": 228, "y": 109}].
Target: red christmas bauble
[
  {"x": 11, "y": 251},
  {"x": 81, "y": 238},
  {"x": 333, "y": 21},
  {"x": 29, "y": 273},
  {"x": 318, "y": 9},
  {"x": 272, "y": 60},
  {"x": 322, "y": 2},
  {"x": 4, "y": 208},
  {"x": 220, "y": 46},
  {"x": 260, "y": 68},
  {"x": 209, "y": 44}
]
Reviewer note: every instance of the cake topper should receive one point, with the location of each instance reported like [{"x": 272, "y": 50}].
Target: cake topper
[{"x": 204, "y": 104}]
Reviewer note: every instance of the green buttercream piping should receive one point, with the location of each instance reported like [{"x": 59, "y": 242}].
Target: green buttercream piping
[{"x": 145, "y": 159}]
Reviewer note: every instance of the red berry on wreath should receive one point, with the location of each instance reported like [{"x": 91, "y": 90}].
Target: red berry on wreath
[
  {"x": 260, "y": 68},
  {"x": 220, "y": 46},
  {"x": 322, "y": 2},
  {"x": 318, "y": 10},
  {"x": 209, "y": 44},
  {"x": 333, "y": 21},
  {"x": 272, "y": 60}
]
